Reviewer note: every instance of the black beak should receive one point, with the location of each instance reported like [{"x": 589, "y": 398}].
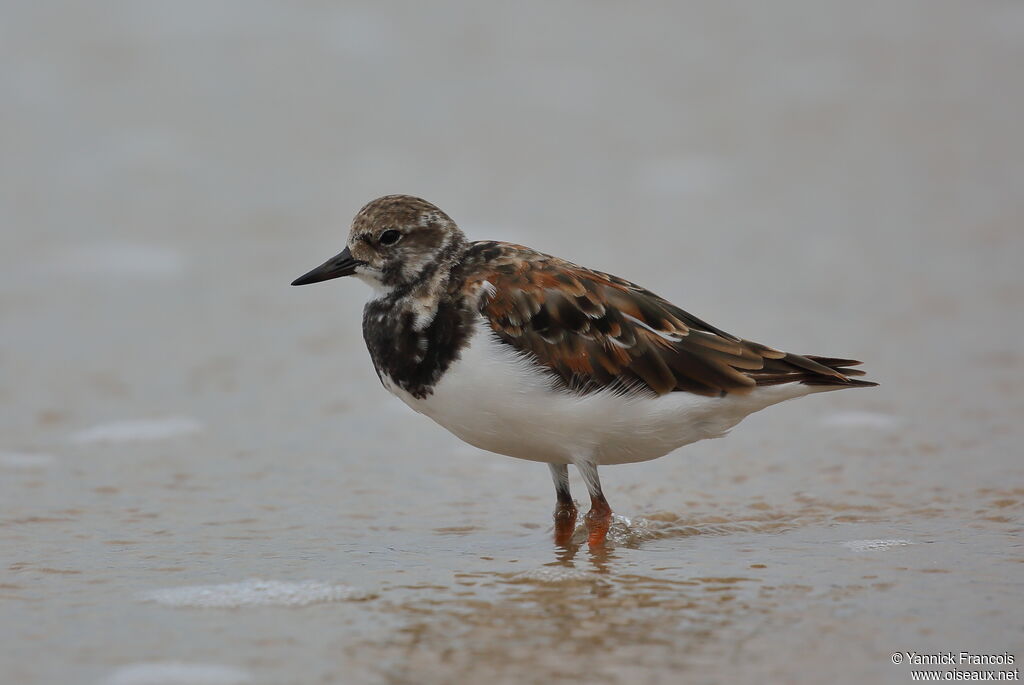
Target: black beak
[{"x": 335, "y": 267}]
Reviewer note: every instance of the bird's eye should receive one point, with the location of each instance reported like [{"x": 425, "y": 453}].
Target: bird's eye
[{"x": 389, "y": 237}]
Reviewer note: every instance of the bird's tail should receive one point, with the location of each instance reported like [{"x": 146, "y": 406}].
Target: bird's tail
[
  {"x": 811, "y": 370},
  {"x": 841, "y": 366}
]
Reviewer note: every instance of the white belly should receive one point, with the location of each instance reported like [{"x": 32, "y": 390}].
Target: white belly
[{"x": 497, "y": 400}]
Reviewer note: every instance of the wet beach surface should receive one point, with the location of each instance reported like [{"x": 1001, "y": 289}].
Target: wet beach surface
[{"x": 202, "y": 480}]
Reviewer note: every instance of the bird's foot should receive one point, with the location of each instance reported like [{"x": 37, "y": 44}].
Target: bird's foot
[
  {"x": 598, "y": 520},
  {"x": 565, "y": 523}
]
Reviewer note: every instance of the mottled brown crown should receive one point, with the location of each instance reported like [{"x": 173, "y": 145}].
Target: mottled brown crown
[{"x": 398, "y": 211}]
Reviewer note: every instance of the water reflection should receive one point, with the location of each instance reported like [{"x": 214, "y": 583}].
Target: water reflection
[
  {"x": 610, "y": 608},
  {"x": 620, "y": 606},
  {"x": 669, "y": 590}
]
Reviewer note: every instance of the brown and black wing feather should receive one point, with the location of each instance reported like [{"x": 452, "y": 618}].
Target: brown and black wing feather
[{"x": 595, "y": 331}]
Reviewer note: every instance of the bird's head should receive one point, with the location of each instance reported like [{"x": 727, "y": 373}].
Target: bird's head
[{"x": 397, "y": 242}]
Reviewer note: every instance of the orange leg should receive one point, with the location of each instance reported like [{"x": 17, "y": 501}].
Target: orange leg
[
  {"x": 598, "y": 519},
  {"x": 565, "y": 523},
  {"x": 565, "y": 509}
]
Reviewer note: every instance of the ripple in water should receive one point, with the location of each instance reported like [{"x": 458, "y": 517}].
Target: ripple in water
[
  {"x": 873, "y": 545},
  {"x": 553, "y": 574},
  {"x": 255, "y": 593},
  {"x": 25, "y": 460},
  {"x": 626, "y": 532},
  {"x": 138, "y": 430},
  {"x": 666, "y": 524},
  {"x": 176, "y": 673},
  {"x": 622, "y": 531}
]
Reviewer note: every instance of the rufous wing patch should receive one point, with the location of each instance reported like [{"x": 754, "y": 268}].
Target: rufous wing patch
[{"x": 595, "y": 331}]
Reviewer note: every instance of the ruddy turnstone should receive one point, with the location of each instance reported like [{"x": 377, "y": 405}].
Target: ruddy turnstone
[{"x": 528, "y": 355}]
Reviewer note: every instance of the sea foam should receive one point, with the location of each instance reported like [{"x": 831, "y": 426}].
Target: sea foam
[
  {"x": 255, "y": 592},
  {"x": 873, "y": 545},
  {"x": 176, "y": 673},
  {"x": 25, "y": 460},
  {"x": 137, "y": 430}
]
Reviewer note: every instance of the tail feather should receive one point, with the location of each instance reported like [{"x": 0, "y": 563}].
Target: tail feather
[
  {"x": 850, "y": 383},
  {"x": 833, "y": 362},
  {"x": 810, "y": 370}
]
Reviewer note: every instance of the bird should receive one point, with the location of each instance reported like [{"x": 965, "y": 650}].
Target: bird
[{"x": 524, "y": 354}]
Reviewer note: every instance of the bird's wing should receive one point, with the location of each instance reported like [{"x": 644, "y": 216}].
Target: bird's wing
[{"x": 595, "y": 331}]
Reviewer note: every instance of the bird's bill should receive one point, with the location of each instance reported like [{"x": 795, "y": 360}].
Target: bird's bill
[{"x": 340, "y": 265}]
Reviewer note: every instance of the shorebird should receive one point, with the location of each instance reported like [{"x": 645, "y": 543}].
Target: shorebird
[{"x": 524, "y": 354}]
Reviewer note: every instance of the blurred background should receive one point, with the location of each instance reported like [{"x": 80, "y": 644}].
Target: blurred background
[{"x": 829, "y": 178}]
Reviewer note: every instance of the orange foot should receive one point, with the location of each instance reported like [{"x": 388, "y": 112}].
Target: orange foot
[
  {"x": 598, "y": 519},
  {"x": 565, "y": 523}
]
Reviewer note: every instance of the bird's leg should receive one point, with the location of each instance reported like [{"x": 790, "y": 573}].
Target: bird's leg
[
  {"x": 565, "y": 508},
  {"x": 599, "y": 518}
]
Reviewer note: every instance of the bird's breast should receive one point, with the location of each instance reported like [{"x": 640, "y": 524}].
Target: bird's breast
[{"x": 409, "y": 353}]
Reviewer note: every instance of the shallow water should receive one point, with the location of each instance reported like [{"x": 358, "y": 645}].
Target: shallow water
[{"x": 203, "y": 482}]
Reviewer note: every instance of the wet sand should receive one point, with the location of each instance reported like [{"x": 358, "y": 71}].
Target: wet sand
[{"x": 203, "y": 481}]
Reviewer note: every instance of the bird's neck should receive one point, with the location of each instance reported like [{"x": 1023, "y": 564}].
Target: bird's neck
[
  {"x": 414, "y": 335},
  {"x": 420, "y": 294}
]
